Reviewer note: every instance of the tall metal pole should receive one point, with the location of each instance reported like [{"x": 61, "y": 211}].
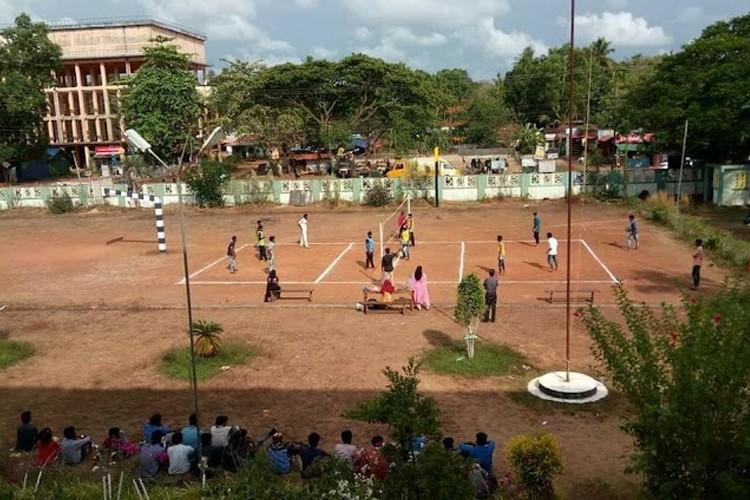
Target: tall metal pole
[
  {"x": 570, "y": 186},
  {"x": 682, "y": 166},
  {"x": 588, "y": 113}
]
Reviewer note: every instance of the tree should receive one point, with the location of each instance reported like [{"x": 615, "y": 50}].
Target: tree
[
  {"x": 162, "y": 102},
  {"x": 206, "y": 181},
  {"x": 528, "y": 138},
  {"x": 707, "y": 83},
  {"x": 486, "y": 113},
  {"x": 407, "y": 412},
  {"x": 470, "y": 306},
  {"x": 27, "y": 58},
  {"x": 207, "y": 338},
  {"x": 686, "y": 373}
]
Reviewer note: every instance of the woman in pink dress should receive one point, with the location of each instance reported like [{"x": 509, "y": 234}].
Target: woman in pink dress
[{"x": 419, "y": 293}]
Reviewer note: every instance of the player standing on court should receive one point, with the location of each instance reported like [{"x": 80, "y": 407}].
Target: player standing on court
[
  {"x": 500, "y": 255},
  {"x": 697, "y": 263},
  {"x": 261, "y": 244},
  {"x": 632, "y": 229},
  {"x": 537, "y": 227},
  {"x": 369, "y": 251},
  {"x": 490, "y": 296},
  {"x": 552, "y": 252},
  {"x": 302, "y": 223},
  {"x": 405, "y": 241},
  {"x": 271, "y": 251},
  {"x": 400, "y": 223},
  {"x": 232, "y": 255}
]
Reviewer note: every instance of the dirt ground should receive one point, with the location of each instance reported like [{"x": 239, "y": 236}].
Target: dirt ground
[{"x": 101, "y": 315}]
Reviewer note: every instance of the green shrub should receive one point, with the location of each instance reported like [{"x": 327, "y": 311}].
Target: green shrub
[
  {"x": 490, "y": 360},
  {"x": 535, "y": 460},
  {"x": 259, "y": 194},
  {"x": 62, "y": 204},
  {"x": 206, "y": 182},
  {"x": 686, "y": 373},
  {"x": 378, "y": 196}
]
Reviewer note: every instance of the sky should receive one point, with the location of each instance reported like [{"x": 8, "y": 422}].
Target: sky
[{"x": 482, "y": 36}]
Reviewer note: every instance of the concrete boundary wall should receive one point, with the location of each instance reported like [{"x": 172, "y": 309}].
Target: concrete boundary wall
[{"x": 532, "y": 186}]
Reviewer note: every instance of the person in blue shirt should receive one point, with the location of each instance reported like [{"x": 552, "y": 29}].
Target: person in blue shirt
[
  {"x": 278, "y": 455},
  {"x": 537, "y": 227},
  {"x": 632, "y": 229},
  {"x": 154, "y": 424},
  {"x": 481, "y": 451},
  {"x": 310, "y": 453},
  {"x": 191, "y": 433},
  {"x": 369, "y": 251}
]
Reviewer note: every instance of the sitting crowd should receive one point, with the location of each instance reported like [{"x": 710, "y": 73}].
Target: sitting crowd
[{"x": 192, "y": 450}]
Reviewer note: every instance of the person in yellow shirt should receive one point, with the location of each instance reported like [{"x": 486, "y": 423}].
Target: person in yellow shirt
[
  {"x": 405, "y": 241},
  {"x": 410, "y": 224},
  {"x": 500, "y": 255}
]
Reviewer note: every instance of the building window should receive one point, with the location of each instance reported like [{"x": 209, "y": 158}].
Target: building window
[{"x": 740, "y": 180}]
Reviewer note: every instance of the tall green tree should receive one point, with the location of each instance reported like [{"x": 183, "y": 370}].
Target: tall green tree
[
  {"x": 486, "y": 112},
  {"x": 162, "y": 102},
  {"x": 707, "y": 83},
  {"x": 27, "y": 58}
]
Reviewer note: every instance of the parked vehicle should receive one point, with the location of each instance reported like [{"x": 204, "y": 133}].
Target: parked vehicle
[{"x": 401, "y": 168}]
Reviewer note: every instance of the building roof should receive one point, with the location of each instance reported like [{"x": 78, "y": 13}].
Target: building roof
[{"x": 122, "y": 22}]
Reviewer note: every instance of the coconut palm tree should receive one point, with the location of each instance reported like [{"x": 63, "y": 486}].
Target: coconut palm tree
[
  {"x": 206, "y": 336},
  {"x": 600, "y": 51}
]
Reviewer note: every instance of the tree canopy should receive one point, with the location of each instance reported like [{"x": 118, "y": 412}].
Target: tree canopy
[
  {"x": 707, "y": 83},
  {"x": 162, "y": 102},
  {"x": 27, "y": 58}
]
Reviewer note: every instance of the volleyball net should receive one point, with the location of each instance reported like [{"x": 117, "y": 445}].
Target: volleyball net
[{"x": 389, "y": 227}]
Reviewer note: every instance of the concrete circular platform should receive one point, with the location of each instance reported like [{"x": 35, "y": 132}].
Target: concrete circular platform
[{"x": 579, "y": 389}]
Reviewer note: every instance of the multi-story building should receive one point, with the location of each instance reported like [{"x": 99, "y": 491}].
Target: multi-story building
[{"x": 82, "y": 106}]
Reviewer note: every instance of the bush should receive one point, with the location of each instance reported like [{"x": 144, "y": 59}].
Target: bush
[
  {"x": 535, "y": 460},
  {"x": 259, "y": 194},
  {"x": 687, "y": 374},
  {"x": 206, "y": 182},
  {"x": 62, "y": 204},
  {"x": 14, "y": 351},
  {"x": 378, "y": 196}
]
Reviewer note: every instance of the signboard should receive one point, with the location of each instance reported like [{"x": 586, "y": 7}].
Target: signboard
[
  {"x": 528, "y": 162},
  {"x": 539, "y": 153},
  {"x": 552, "y": 155},
  {"x": 547, "y": 166},
  {"x": 114, "y": 149}
]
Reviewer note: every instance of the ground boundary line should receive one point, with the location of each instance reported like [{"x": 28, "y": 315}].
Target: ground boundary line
[
  {"x": 461, "y": 262},
  {"x": 212, "y": 264},
  {"x": 596, "y": 258},
  {"x": 359, "y": 283},
  {"x": 332, "y": 264}
]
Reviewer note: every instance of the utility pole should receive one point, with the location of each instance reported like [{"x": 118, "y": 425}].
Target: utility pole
[
  {"x": 682, "y": 166},
  {"x": 588, "y": 114}
]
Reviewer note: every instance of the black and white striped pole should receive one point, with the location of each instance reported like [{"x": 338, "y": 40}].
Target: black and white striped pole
[{"x": 158, "y": 211}]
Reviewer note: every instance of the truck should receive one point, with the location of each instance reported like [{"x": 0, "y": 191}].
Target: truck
[{"x": 422, "y": 165}]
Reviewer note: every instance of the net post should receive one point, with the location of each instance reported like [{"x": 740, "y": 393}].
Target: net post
[
  {"x": 408, "y": 203},
  {"x": 382, "y": 250}
]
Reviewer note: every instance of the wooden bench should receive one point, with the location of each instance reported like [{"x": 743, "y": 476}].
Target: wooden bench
[
  {"x": 399, "y": 294},
  {"x": 296, "y": 293},
  {"x": 398, "y": 305},
  {"x": 575, "y": 295}
]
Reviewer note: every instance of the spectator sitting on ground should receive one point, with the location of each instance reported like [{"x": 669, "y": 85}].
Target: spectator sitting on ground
[
  {"x": 74, "y": 447},
  {"x": 26, "y": 433},
  {"x": 179, "y": 456},
  {"x": 372, "y": 461},
  {"x": 48, "y": 449},
  {"x": 152, "y": 455},
  {"x": 278, "y": 455},
  {"x": 310, "y": 453},
  {"x": 209, "y": 452},
  {"x": 345, "y": 450},
  {"x": 418, "y": 443},
  {"x": 481, "y": 451},
  {"x": 220, "y": 431},
  {"x": 154, "y": 424},
  {"x": 449, "y": 444},
  {"x": 191, "y": 433},
  {"x": 116, "y": 444}
]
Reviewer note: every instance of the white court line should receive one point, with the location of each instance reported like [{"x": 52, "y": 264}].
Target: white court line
[
  {"x": 596, "y": 258},
  {"x": 360, "y": 283},
  {"x": 333, "y": 264},
  {"x": 461, "y": 263},
  {"x": 212, "y": 264}
]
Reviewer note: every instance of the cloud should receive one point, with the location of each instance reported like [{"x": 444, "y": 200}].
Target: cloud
[
  {"x": 306, "y": 4},
  {"x": 424, "y": 13},
  {"x": 385, "y": 50},
  {"x": 498, "y": 43},
  {"x": 403, "y": 35},
  {"x": 235, "y": 27},
  {"x": 362, "y": 33},
  {"x": 621, "y": 28},
  {"x": 322, "y": 53}
]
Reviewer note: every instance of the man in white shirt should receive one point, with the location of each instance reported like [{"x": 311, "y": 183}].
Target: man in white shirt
[
  {"x": 302, "y": 223},
  {"x": 220, "y": 432},
  {"x": 345, "y": 450},
  {"x": 179, "y": 456},
  {"x": 552, "y": 252}
]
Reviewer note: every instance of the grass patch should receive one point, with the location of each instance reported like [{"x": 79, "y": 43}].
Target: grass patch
[
  {"x": 175, "y": 363},
  {"x": 489, "y": 359},
  {"x": 14, "y": 351}
]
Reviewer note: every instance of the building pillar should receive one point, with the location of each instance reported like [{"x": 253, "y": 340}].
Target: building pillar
[
  {"x": 87, "y": 157},
  {"x": 107, "y": 108},
  {"x": 97, "y": 123},
  {"x": 122, "y": 120},
  {"x": 82, "y": 106},
  {"x": 57, "y": 115}
]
